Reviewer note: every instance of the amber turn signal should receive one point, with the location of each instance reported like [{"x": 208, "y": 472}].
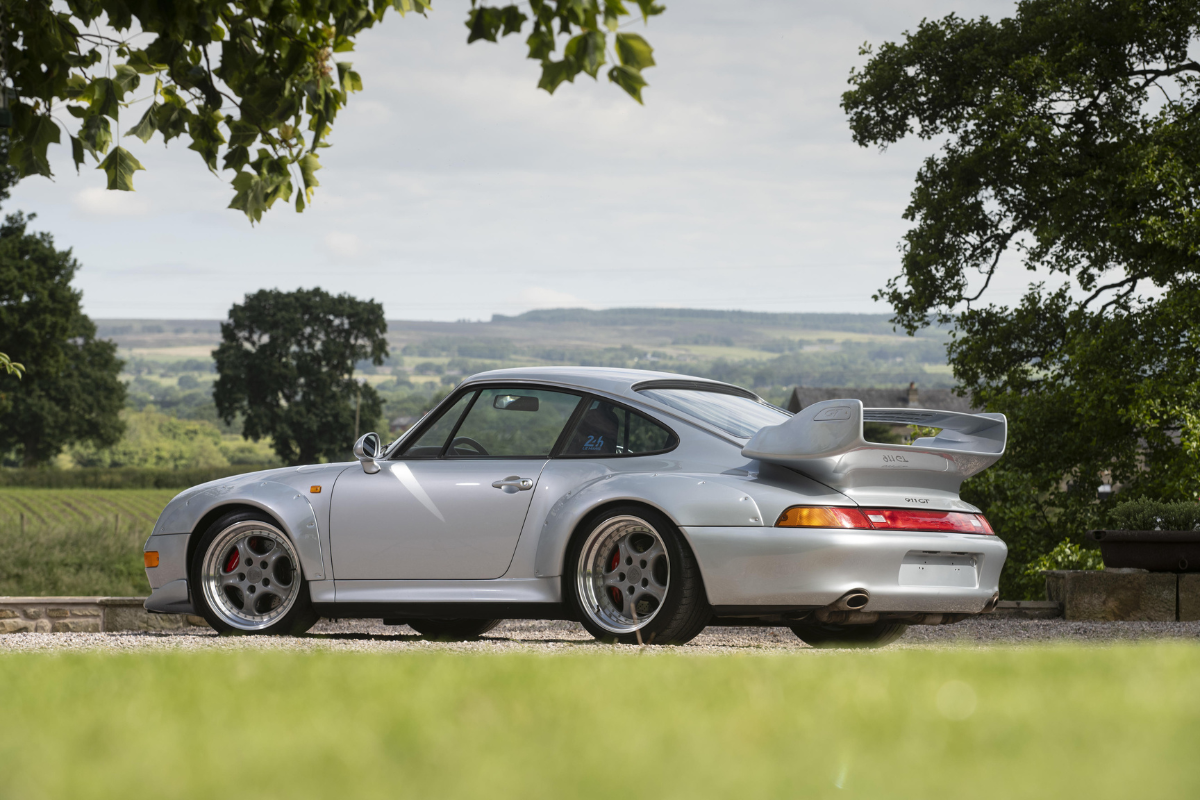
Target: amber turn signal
[
  {"x": 151, "y": 558},
  {"x": 314, "y": 490},
  {"x": 817, "y": 517}
]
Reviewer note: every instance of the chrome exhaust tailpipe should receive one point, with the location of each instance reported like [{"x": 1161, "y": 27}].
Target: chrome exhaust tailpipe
[
  {"x": 991, "y": 604},
  {"x": 853, "y": 600},
  {"x": 847, "y": 609}
]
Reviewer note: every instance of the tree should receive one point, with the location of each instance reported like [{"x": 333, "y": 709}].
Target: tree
[
  {"x": 286, "y": 362},
  {"x": 249, "y": 79},
  {"x": 70, "y": 391},
  {"x": 1071, "y": 143}
]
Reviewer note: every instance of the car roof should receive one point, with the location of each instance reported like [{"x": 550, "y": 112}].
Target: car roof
[{"x": 613, "y": 380}]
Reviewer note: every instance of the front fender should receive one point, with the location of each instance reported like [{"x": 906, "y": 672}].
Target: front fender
[{"x": 286, "y": 504}]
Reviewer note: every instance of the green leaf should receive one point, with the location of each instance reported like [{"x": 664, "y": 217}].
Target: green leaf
[
  {"x": 513, "y": 20},
  {"x": 241, "y": 133},
  {"x": 587, "y": 49},
  {"x": 484, "y": 23},
  {"x": 119, "y": 166},
  {"x": 613, "y": 10},
  {"x": 405, "y": 6},
  {"x": 102, "y": 96},
  {"x": 628, "y": 79},
  {"x": 76, "y": 152},
  {"x": 555, "y": 72},
  {"x": 37, "y": 132},
  {"x": 140, "y": 62},
  {"x": 127, "y": 79},
  {"x": 541, "y": 44},
  {"x": 147, "y": 125},
  {"x": 206, "y": 136},
  {"x": 236, "y": 158},
  {"x": 634, "y": 51},
  {"x": 95, "y": 135},
  {"x": 649, "y": 9},
  {"x": 308, "y": 168}
]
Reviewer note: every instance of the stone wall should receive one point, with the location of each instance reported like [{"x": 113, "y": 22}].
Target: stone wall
[
  {"x": 1125, "y": 595},
  {"x": 85, "y": 615}
]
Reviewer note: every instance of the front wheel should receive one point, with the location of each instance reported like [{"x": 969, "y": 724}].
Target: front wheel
[
  {"x": 246, "y": 578},
  {"x": 453, "y": 629},
  {"x": 632, "y": 578},
  {"x": 822, "y": 634}
]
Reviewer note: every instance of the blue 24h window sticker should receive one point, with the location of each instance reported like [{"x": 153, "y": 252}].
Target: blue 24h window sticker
[{"x": 593, "y": 443}]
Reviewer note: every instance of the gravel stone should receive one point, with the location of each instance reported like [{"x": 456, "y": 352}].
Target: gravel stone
[{"x": 562, "y": 637}]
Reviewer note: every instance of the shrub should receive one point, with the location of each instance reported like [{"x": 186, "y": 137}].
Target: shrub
[
  {"x": 1064, "y": 556},
  {"x": 1152, "y": 515}
]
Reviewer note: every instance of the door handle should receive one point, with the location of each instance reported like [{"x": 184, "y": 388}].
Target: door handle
[{"x": 513, "y": 484}]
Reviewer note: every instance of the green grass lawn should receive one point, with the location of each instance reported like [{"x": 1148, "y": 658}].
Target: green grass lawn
[
  {"x": 76, "y": 541},
  {"x": 1090, "y": 723}
]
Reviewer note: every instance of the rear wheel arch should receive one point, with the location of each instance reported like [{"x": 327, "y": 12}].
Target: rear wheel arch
[
  {"x": 589, "y": 519},
  {"x": 687, "y": 613}
]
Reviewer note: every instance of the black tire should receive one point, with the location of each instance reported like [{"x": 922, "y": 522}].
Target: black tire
[
  {"x": 823, "y": 634},
  {"x": 682, "y": 614},
  {"x": 456, "y": 630},
  {"x": 297, "y": 619}
]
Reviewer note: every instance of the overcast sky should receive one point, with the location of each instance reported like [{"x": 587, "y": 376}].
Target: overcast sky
[{"x": 456, "y": 189}]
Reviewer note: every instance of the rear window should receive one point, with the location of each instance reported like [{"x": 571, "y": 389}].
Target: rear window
[{"x": 738, "y": 416}]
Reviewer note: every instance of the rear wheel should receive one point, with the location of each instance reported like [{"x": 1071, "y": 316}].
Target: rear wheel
[
  {"x": 631, "y": 575},
  {"x": 822, "y": 634},
  {"x": 246, "y": 578},
  {"x": 455, "y": 629}
]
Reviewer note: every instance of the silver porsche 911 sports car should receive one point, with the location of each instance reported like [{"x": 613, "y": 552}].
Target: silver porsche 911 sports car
[{"x": 644, "y": 505}]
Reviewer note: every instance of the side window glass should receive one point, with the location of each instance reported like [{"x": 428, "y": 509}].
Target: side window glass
[
  {"x": 432, "y": 440},
  {"x": 512, "y": 423},
  {"x": 609, "y": 430}
]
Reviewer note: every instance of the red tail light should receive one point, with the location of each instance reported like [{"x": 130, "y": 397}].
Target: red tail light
[{"x": 884, "y": 519}]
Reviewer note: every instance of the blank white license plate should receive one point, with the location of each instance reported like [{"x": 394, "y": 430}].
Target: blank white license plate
[{"x": 938, "y": 569}]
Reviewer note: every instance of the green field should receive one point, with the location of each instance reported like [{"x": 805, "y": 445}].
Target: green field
[
  {"x": 76, "y": 541},
  {"x": 49, "y": 508},
  {"x": 1000, "y": 723}
]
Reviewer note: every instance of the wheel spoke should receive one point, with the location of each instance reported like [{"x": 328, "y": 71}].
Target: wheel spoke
[{"x": 654, "y": 590}]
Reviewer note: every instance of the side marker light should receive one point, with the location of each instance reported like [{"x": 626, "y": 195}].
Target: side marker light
[
  {"x": 314, "y": 490},
  {"x": 151, "y": 558}
]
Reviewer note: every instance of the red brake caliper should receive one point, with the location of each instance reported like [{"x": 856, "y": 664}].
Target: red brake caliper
[
  {"x": 232, "y": 563},
  {"x": 613, "y": 591}
]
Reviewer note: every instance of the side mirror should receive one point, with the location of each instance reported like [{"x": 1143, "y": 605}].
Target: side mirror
[{"x": 366, "y": 449}]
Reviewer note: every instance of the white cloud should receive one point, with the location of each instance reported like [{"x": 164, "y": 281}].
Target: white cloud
[
  {"x": 541, "y": 297},
  {"x": 453, "y": 181},
  {"x": 96, "y": 202},
  {"x": 344, "y": 246}
]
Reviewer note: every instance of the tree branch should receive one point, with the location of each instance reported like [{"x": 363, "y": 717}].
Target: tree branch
[
  {"x": 1000, "y": 246},
  {"x": 1103, "y": 289},
  {"x": 1155, "y": 74}
]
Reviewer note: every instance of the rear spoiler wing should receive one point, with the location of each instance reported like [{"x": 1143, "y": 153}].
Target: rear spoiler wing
[{"x": 825, "y": 442}]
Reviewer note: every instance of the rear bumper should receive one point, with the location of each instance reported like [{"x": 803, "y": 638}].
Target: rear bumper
[{"x": 932, "y": 573}]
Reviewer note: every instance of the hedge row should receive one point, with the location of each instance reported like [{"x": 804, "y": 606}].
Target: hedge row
[{"x": 117, "y": 478}]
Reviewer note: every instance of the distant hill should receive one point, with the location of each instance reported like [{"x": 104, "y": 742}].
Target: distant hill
[{"x": 764, "y": 350}]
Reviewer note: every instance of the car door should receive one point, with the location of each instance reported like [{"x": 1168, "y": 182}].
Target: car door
[{"x": 452, "y": 505}]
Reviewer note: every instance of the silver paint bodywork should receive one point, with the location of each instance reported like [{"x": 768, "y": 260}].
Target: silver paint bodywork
[{"x": 434, "y": 531}]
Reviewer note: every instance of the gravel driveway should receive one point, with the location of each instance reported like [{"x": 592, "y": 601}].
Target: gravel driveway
[{"x": 547, "y": 637}]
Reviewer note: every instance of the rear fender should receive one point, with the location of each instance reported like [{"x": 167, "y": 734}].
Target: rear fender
[{"x": 688, "y": 499}]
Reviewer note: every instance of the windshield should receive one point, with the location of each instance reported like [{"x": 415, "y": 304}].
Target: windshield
[{"x": 738, "y": 416}]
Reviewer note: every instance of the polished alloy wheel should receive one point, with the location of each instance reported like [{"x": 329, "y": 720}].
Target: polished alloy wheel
[
  {"x": 623, "y": 574},
  {"x": 251, "y": 575}
]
